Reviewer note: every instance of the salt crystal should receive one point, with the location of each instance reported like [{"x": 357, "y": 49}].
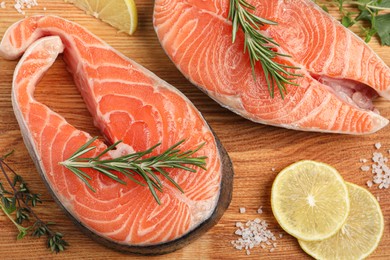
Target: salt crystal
[
  {"x": 280, "y": 235},
  {"x": 363, "y": 160},
  {"x": 379, "y": 169},
  {"x": 44, "y": 9},
  {"x": 2, "y": 5},
  {"x": 273, "y": 169},
  {"x": 22, "y": 4},
  {"x": 271, "y": 250},
  {"x": 377, "y": 198},
  {"x": 253, "y": 233},
  {"x": 260, "y": 210},
  {"x": 242, "y": 210}
]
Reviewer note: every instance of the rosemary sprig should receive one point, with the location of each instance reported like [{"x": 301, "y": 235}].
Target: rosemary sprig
[
  {"x": 260, "y": 47},
  {"x": 149, "y": 168},
  {"x": 17, "y": 205}
]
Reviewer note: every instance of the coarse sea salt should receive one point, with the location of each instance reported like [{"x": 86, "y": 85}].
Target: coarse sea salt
[
  {"x": 254, "y": 233},
  {"x": 379, "y": 169},
  {"x": 22, "y": 4},
  {"x": 2, "y": 5}
]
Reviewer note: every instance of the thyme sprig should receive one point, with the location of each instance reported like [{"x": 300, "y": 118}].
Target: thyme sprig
[
  {"x": 260, "y": 47},
  {"x": 17, "y": 205},
  {"x": 147, "y": 168}
]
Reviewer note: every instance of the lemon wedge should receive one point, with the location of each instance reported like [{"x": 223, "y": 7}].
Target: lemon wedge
[
  {"x": 121, "y": 14},
  {"x": 360, "y": 234},
  {"x": 310, "y": 200}
]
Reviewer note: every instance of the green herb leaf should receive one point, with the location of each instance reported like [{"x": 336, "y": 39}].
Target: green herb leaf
[
  {"x": 383, "y": 28},
  {"x": 369, "y": 34},
  {"x": 22, "y": 233},
  {"x": 347, "y": 21},
  {"x": 22, "y": 215},
  {"x": 384, "y": 3},
  {"x": 325, "y": 8},
  {"x": 364, "y": 15}
]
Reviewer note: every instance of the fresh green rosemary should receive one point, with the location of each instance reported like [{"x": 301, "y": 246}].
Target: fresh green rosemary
[
  {"x": 17, "y": 205},
  {"x": 135, "y": 164},
  {"x": 260, "y": 47}
]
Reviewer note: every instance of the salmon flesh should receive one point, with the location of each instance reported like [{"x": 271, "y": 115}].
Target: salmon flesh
[
  {"x": 128, "y": 103},
  {"x": 341, "y": 75}
]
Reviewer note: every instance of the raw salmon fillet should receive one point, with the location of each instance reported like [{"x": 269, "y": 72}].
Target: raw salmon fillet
[
  {"x": 128, "y": 103},
  {"x": 341, "y": 74}
]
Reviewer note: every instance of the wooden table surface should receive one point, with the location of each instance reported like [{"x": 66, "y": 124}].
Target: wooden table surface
[{"x": 254, "y": 149}]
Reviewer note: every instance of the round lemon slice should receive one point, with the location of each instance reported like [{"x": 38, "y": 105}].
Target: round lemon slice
[
  {"x": 310, "y": 200},
  {"x": 121, "y": 14},
  {"x": 360, "y": 234}
]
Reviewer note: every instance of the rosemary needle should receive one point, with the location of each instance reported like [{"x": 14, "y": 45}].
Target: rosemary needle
[
  {"x": 260, "y": 47},
  {"x": 149, "y": 169}
]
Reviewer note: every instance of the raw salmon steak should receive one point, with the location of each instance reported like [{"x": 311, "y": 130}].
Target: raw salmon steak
[
  {"x": 128, "y": 103},
  {"x": 340, "y": 74}
]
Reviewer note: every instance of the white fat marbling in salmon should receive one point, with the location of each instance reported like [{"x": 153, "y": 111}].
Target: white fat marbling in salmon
[
  {"x": 128, "y": 103},
  {"x": 196, "y": 35}
]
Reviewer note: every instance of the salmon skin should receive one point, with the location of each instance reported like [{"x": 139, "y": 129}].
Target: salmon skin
[
  {"x": 128, "y": 103},
  {"x": 341, "y": 75}
]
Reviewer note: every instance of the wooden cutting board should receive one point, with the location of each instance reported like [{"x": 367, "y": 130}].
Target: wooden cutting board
[{"x": 254, "y": 149}]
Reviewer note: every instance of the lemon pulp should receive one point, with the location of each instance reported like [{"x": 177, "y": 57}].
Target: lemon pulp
[
  {"x": 360, "y": 234},
  {"x": 121, "y": 14},
  {"x": 310, "y": 200}
]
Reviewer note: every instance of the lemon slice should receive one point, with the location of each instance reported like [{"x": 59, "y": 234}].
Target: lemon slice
[
  {"x": 310, "y": 200},
  {"x": 360, "y": 234},
  {"x": 121, "y": 14}
]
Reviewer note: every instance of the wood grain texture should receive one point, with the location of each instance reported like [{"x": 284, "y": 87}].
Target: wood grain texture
[{"x": 254, "y": 149}]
